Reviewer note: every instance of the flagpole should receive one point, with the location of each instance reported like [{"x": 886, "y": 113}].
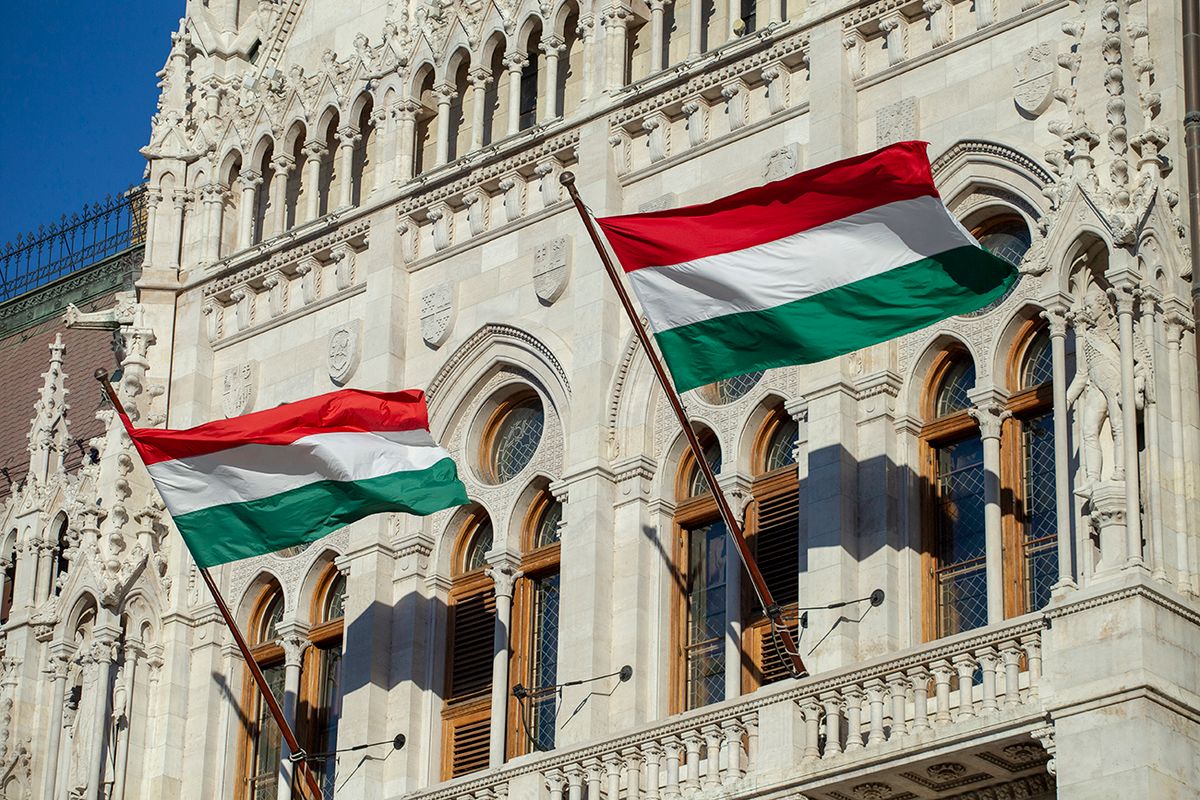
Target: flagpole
[
  {"x": 770, "y": 607},
  {"x": 314, "y": 789}
]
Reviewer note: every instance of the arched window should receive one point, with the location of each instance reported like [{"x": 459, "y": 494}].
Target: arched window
[
  {"x": 321, "y": 689},
  {"x": 954, "y": 529},
  {"x": 9, "y": 565},
  {"x": 466, "y": 713},
  {"x": 532, "y": 721},
  {"x": 701, "y": 553},
  {"x": 511, "y": 437},
  {"x": 58, "y": 556},
  {"x": 1006, "y": 236},
  {"x": 773, "y": 533},
  {"x": 730, "y": 389},
  {"x": 262, "y": 742},
  {"x": 1032, "y": 529}
]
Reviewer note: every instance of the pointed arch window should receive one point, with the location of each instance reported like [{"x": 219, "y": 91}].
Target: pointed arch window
[
  {"x": 954, "y": 524},
  {"x": 466, "y": 712},
  {"x": 321, "y": 686},
  {"x": 773, "y": 533},
  {"x": 262, "y": 743},
  {"x": 701, "y": 550},
  {"x": 535, "y": 612}
]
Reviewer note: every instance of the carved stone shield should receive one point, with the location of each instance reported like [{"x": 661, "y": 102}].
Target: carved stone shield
[
  {"x": 1035, "y": 80},
  {"x": 239, "y": 388},
  {"x": 551, "y": 268},
  {"x": 437, "y": 314},
  {"x": 344, "y": 351},
  {"x": 897, "y": 122},
  {"x": 781, "y": 163}
]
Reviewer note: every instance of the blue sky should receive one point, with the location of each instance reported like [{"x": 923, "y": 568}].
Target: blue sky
[{"x": 78, "y": 88}]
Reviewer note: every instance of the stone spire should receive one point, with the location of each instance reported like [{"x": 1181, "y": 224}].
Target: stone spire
[{"x": 48, "y": 435}]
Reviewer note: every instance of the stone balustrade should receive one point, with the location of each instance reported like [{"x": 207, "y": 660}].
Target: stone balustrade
[{"x": 890, "y": 707}]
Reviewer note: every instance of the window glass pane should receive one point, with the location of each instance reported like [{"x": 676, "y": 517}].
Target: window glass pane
[
  {"x": 266, "y": 741},
  {"x": 335, "y": 602},
  {"x": 697, "y": 484},
  {"x": 952, "y": 395},
  {"x": 1008, "y": 238},
  {"x": 544, "y": 662},
  {"x": 1041, "y": 548},
  {"x": 781, "y": 450},
  {"x": 548, "y": 525},
  {"x": 516, "y": 440},
  {"x": 328, "y": 715},
  {"x": 272, "y": 616},
  {"x": 1038, "y": 367},
  {"x": 961, "y": 579},
  {"x": 481, "y": 542},
  {"x": 730, "y": 389},
  {"x": 705, "y": 647}
]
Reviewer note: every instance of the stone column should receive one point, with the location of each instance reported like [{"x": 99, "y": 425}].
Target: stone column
[
  {"x": 249, "y": 182},
  {"x": 60, "y": 653},
  {"x": 153, "y": 198},
  {"x": 615, "y": 20},
  {"x": 133, "y": 651},
  {"x": 103, "y": 655},
  {"x": 504, "y": 574},
  {"x": 445, "y": 94},
  {"x": 587, "y": 39},
  {"x": 406, "y": 120},
  {"x": 515, "y": 63},
  {"x": 293, "y": 639},
  {"x": 989, "y": 413},
  {"x": 1178, "y": 323},
  {"x": 175, "y": 243},
  {"x": 1056, "y": 317},
  {"x": 45, "y": 550},
  {"x": 1123, "y": 282},
  {"x": 695, "y": 29},
  {"x": 551, "y": 47},
  {"x": 657, "y": 56},
  {"x": 347, "y": 137},
  {"x": 282, "y": 165},
  {"x": 737, "y": 491},
  {"x": 1149, "y": 297},
  {"x": 213, "y": 197},
  {"x": 314, "y": 152},
  {"x": 480, "y": 78},
  {"x": 385, "y": 130}
]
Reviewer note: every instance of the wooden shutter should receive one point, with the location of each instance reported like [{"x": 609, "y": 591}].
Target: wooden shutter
[
  {"x": 468, "y": 736},
  {"x": 776, "y": 544},
  {"x": 473, "y": 630}
]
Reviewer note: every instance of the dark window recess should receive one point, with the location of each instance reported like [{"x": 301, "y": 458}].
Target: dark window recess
[
  {"x": 529, "y": 91},
  {"x": 255, "y": 48},
  {"x": 749, "y": 16}
]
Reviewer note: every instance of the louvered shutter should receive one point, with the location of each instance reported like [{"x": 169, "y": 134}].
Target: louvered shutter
[
  {"x": 474, "y": 626},
  {"x": 777, "y": 545},
  {"x": 469, "y": 744}
]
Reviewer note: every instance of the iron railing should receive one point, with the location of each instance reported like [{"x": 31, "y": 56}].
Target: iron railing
[{"x": 52, "y": 251}]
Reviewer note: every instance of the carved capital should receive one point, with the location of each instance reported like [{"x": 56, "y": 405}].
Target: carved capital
[
  {"x": 504, "y": 574},
  {"x": 990, "y": 416}
]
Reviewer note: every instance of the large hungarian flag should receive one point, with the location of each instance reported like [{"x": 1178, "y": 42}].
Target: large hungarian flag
[
  {"x": 291, "y": 474},
  {"x": 803, "y": 269}
]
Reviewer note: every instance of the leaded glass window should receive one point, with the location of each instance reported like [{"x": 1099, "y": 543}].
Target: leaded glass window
[
  {"x": 1041, "y": 528},
  {"x": 1039, "y": 366},
  {"x": 697, "y": 484},
  {"x": 266, "y": 741},
  {"x": 543, "y": 662},
  {"x": 548, "y": 525},
  {"x": 781, "y": 448},
  {"x": 952, "y": 395},
  {"x": 515, "y": 439},
  {"x": 1007, "y": 237},
  {"x": 480, "y": 544},
  {"x": 329, "y": 715},
  {"x": 268, "y": 630},
  {"x": 728, "y": 390},
  {"x": 704, "y": 651},
  {"x": 961, "y": 570},
  {"x": 335, "y": 599}
]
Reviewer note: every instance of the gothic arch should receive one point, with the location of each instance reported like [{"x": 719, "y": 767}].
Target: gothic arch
[
  {"x": 1009, "y": 335},
  {"x": 916, "y": 382},
  {"x": 974, "y": 171},
  {"x": 247, "y": 603},
  {"x": 748, "y": 434},
  {"x": 311, "y": 582},
  {"x": 633, "y": 399}
]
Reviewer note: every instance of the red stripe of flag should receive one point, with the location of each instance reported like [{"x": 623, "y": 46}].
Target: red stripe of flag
[
  {"x": 351, "y": 410},
  {"x": 770, "y": 212}
]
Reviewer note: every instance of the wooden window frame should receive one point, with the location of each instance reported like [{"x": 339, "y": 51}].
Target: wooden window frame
[
  {"x": 486, "y": 454},
  {"x": 536, "y": 563},
  {"x": 265, "y": 654}
]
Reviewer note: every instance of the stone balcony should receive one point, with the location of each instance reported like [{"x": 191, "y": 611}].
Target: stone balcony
[{"x": 955, "y": 715}]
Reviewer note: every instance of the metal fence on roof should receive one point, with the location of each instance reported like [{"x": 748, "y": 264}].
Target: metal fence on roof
[{"x": 53, "y": 251}]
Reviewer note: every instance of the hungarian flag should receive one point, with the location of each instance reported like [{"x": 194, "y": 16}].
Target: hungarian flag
[
  {"x": 291, "y": 474},
  {"x": 803, "y": 269}
]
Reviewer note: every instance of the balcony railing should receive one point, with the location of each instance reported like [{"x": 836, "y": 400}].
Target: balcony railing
[
  {"x": 813, "y": 730},
  {"x": 98, "y": 231}
]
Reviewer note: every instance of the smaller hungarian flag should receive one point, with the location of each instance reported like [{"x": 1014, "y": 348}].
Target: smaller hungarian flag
[
  {"x": 813, "y": 266},
  {"x": 291, "y": 474}
]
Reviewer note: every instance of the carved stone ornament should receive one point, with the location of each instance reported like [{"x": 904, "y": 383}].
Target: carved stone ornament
[
  {"x": 897, "y": 122},
  {"x": 1033, "y": 88},
  {"x": 238, "y": 389},
  {"x": 437, "y": 314},
  {"x": 344, "y": 351},
  {"x": 781, "y": 163},
  {"x": 551, "y": 269},
  {"x": 668, "y": 200}
]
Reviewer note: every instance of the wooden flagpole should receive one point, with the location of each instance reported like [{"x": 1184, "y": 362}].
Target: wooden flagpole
[
  {"x": 310, "y": 779},
  {"x": 732, "y": 525}
]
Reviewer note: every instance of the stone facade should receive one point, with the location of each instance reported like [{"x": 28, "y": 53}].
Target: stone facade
[{"x": 367, "y": 194}]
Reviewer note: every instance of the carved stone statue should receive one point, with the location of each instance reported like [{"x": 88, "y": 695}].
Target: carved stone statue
[{"x": 1095, "y": 389}]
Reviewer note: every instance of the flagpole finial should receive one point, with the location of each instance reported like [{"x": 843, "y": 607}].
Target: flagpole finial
[
  {"x": 567, "y": 178},
  {"x": 100, "y": 374}
]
